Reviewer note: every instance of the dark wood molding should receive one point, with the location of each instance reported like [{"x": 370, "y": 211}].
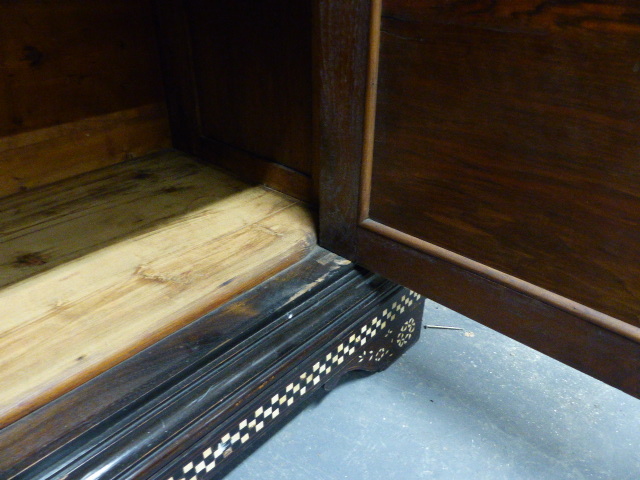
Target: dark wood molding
[
  {"x": 370, "y": 110},
  {"x": 155, "y": 411},
  {"x": 255, "y": 169},
  {"x": 574, "y": 308},
  {"x": 371, "y": 343}
]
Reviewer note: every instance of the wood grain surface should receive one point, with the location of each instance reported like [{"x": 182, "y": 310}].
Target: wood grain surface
[
  {"x": 41, "y": 157},
  {"x": 563, "y": 335},
  {"x": 166, "y": 363},
  {"x": 341, "y": 55},
  {"x": 68, "y": 60},
  {"x": 80, "y": 88},
  {"x": 507, "y": 132},
  {"x": 139, "y": 250},
  {"x": 252, "y": 64},
  {"x": 53, "y": 225},
  {"x": 239, "y": 78},
  {"x": 504, "y": 137}
]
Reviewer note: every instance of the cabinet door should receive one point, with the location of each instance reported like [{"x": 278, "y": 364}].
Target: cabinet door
[{"x": 487, "y": 155}]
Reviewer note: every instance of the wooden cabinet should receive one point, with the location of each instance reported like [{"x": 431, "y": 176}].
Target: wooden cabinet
[
  {"x": 166, "y": 168},
  {"x": 164, "y": 303}
]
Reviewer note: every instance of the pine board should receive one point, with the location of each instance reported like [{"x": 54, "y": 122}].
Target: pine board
[{"x": 133, "y": 252}]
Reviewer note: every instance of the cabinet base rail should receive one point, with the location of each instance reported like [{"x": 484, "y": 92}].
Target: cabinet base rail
[{"x": 220, "y": 387}]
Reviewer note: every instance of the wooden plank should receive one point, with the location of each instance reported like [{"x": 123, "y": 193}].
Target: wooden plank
[
  {"x": 508, "y": 135},
  {"x": 41, "y": 157},
  {"x": 39, "y": 229},
  {"x": 66, "y": 325}
]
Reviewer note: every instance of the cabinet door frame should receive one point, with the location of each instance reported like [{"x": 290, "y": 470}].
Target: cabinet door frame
[{"x": 346, "y": 47}]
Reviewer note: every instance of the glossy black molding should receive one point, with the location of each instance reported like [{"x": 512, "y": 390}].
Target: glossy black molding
[
  {"x": 195, "y": 404},
  {"x": 370, "y": 343}
]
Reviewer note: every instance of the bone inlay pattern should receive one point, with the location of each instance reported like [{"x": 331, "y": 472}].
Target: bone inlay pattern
[{"x": 395, "y": 325}]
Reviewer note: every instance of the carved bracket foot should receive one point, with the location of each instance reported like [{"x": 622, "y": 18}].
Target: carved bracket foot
[{"x": 385, "y": 337}]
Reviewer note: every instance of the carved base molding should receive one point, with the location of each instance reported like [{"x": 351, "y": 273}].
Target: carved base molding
[
  {"x": 371, "y": 343},
  {"x": 194, "y": 405}
]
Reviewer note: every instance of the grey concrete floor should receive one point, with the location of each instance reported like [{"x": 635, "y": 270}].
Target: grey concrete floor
[{"x": 459, "y": 405}]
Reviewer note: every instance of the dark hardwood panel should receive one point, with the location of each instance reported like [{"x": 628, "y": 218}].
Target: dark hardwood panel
[
  {"x": 238, "y": 77},
  {"x": 533, "y": 16},
  {"x": 507, "y": 132},
  {"x": 573, "y": 335},
  {"x": 252, "y": 64},
  {"x": 68, "y": 60},
  {"x": 172, "y": 23}
]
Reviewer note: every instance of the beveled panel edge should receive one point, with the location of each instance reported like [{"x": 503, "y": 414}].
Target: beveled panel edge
[{"x": 370, "y": 110}]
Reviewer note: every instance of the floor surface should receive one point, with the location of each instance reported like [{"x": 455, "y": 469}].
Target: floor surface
[{"x": 467, "y": 405}]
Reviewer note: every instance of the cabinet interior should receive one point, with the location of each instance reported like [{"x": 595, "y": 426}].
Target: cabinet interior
[{"x": 110, "y": 239}]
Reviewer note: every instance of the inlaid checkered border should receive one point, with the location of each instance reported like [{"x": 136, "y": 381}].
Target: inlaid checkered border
[{"x": 203, "y": 466}]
